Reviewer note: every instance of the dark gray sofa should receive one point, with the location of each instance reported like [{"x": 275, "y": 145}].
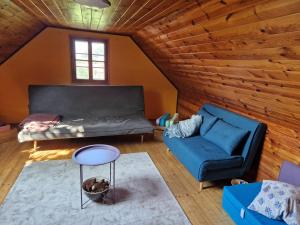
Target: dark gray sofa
[{"x": 88, "y": 111}]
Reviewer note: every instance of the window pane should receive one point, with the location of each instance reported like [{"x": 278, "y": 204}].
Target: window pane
[
  {"x": 82, "y": 73},
  {"x": 98, "y": 74},
  {"x": 98, "y": 48},
  {"x": 82, "y": 56},
  {"x": 98, "y": 64},
  {"x": 81, "y": 47},
  {"x": 98, "y": 58},
  {"x": 82, "y": 63}
]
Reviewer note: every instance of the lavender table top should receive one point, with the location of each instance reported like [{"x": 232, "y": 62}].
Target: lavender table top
[{"x": 93, "y": 155}]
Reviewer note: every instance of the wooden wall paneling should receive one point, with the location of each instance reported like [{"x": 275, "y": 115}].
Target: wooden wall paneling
[
  {"x": 253, "y": 13},
  {"x": 197, "y": 19},
  {"x": 245, "y": 58},
  {"x": 252, "y": 30}
]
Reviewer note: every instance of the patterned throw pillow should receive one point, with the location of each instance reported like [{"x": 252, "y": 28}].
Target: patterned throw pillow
[{"x": 278, "y": 200}]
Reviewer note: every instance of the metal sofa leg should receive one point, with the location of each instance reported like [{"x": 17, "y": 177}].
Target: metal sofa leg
[
  {"x": 34, "y": 145},
  {"x": 142, "y": 138},
  {"x": 201, "y": 186}
]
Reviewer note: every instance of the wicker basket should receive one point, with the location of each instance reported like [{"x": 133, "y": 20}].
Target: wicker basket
[{"x": 95, "y": 196}]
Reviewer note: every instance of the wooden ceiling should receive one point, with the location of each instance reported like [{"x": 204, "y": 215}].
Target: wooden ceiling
[
  {"x": 22, "y": 19},
  {"x": 241, "y": 54}
]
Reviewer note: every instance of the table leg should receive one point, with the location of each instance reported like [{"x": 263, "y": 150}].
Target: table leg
[
  {"x": 114, "y": 174},
  {"x": 81, "y": 178},
  {"x": 110, "y": 172}
]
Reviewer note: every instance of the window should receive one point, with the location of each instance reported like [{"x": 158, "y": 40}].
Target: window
[{"x": 89, "y": 61}]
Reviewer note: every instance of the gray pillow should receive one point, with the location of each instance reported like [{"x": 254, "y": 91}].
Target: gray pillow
[{"x": 278, "y": 200}]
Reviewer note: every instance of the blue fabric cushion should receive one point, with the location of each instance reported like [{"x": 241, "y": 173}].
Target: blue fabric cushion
[
  {"x": 200, "y": 156},
  {"x": 226, "y": 136},
  {"x": 208, "y": 120},
  {"x": 235, "y": 199}
]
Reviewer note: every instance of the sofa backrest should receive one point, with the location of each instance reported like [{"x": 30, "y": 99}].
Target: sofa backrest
[
  {"x": 256, "y": 130},
  {"x": 86, "y": 101}
]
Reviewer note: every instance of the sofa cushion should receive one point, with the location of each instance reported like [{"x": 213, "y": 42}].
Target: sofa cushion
[
  {"x": 235, "y": 200},
  {"x": 74, "y": 127},
  {"x": 226, "y": 136},
  {"x": 253, "y": 143},
  {"x": 77, "y": 101},
  {"x": 208, "y": 120},
  {"x": 199, "y": 155}
]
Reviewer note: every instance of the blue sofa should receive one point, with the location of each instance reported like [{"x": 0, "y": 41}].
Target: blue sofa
[
  {"x": 237, "y": 198},
  {"x": 207, "y": 161}
]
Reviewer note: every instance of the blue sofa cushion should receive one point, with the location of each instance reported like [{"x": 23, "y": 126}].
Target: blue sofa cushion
[
  {"x": 199, "y": 155},
  {"x": 208, "y": 120},
  {"x": 254, "y": 140},
  {"x": 235, "y": 199},
  {"x": 226, "y": 136}
]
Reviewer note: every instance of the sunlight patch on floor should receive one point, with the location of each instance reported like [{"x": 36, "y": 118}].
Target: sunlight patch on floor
[{"x": 46, "y": 155}]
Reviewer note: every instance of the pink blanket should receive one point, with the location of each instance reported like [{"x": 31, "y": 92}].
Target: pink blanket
[{"x": 39, "y": 122}]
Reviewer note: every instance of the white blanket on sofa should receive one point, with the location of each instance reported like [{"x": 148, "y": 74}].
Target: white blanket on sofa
[{"x": 185, "y": 128}]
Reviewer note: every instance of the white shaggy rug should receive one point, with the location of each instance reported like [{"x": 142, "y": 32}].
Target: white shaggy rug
[{"x": 47, "y": 193}]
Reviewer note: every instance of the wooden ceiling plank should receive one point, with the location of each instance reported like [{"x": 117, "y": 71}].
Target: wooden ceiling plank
[
  {"x": 42, "y": 10},
  {"x": 133, "y": 15},
  {"x": 146, "y": 14},
  {"x": 61, "y": 12},
  {"x": 113, "y": 11},
  {"x": 183, "y": 18},
  {"x": 124, "y": 13},
  {"x": 51, "y": 12},
  {"x": 167, "y": 10},
  {"x": 42, "y": 17},
  {"x": 99, "y": 21}
]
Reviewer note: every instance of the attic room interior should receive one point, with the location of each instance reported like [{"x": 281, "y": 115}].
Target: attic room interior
[{"x": 165, "y": 112}]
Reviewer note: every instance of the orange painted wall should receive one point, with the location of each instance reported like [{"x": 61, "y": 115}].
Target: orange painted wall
[{"x": 46, "y": 60}]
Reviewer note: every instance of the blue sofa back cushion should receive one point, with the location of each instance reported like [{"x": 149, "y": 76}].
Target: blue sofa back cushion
[
  {"x": 256, "y": 131},
  {"x": 226, "y": 136},
  {"x": 208, "y": 120}
]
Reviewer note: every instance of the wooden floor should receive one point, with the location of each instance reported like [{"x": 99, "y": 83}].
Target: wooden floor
[{"x": 201, "y": 208}]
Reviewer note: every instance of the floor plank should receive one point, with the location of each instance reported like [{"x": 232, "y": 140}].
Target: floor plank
[{"x": 201, "y": 207}]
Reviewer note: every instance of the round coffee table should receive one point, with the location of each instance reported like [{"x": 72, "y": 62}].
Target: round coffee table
[{"x": 95, "y": 155}]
